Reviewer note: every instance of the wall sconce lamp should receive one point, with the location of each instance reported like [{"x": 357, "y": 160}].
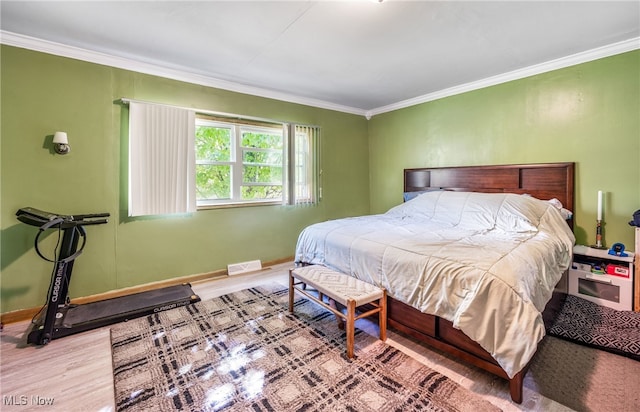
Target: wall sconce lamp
[{"x": 61, "y": 143}]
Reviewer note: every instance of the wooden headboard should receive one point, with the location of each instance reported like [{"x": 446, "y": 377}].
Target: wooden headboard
[{"x": 543, "y": 180}]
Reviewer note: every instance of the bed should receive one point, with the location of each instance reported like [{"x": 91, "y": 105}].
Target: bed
[{"x": 470, "y": 263}]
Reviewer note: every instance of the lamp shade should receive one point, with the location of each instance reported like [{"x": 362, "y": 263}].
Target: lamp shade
[{"x": 60, "y": 138}]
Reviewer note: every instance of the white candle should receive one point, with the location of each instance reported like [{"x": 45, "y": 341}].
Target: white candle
[{"x": 599, "y": 204}]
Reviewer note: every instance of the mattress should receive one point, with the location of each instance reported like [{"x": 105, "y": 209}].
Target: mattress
[{"x": 486, "y": 262}]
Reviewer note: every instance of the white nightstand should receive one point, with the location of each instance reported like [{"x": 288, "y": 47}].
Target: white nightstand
[{"x": 613, "y": 289}]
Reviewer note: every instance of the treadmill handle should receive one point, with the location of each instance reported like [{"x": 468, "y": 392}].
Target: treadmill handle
[
  {"x": 92, "y": 222},
  {"x": 90, "y": 216},
  {"x": 53, "y": 222},
  {"x": 94, "y": 219}
]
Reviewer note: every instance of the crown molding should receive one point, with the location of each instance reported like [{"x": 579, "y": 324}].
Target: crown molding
[
  {"x": 571, "y": 60},
  {"x": 32, "y": 43},
  {"x": 58, "y": 49}
]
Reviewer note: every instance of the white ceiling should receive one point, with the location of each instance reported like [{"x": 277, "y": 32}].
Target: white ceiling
[{"x": 359, "y": 56}]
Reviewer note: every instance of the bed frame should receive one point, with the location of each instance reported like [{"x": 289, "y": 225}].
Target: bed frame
[{"x": 544, "y": 181}]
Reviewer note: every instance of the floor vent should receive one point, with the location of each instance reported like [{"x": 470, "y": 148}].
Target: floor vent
[{"x": 244, "y": 267}]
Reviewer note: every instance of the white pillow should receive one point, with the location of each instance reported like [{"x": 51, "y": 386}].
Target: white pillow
[
  {"x": 478, "y": 211},
  {"x": 468, "y": 210},
  {"x": 520, "y": 213},
  {"x": 422, "y": 206}
]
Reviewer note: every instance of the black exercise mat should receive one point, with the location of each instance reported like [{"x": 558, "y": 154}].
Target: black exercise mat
[{"x": 590, "y": 324}]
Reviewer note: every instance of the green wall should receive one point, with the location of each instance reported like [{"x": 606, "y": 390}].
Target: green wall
[
  {"x": 42, "y": 93},
  {"x": 588, "y": 114}
]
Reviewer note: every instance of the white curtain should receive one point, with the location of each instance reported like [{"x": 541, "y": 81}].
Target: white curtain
[{"x": 161, "y": 160}]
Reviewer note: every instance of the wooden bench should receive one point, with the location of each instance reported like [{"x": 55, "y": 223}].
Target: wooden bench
[{"x": 344, "y": 289}]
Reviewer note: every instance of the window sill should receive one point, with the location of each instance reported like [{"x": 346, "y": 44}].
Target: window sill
[{"x": 238, "y": 204}]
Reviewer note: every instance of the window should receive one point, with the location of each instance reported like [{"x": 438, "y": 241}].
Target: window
[
  {"x": 250, "y": 162},
  {"x": 180, "y": 160}
]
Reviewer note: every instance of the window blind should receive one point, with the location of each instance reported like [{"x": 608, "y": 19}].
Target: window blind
[
  {"x": 304, "y": 173},
  {"x": 161, "y": 160}
]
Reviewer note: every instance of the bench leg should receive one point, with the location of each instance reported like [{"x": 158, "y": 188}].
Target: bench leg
[
  {"x": 382, "y": 315},
  {"x": 351, "y": 319},
  {"x": 332, "y": 304}
]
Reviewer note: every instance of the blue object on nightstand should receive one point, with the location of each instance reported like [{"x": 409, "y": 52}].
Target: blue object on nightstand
[{"x": 617, "y": 249}]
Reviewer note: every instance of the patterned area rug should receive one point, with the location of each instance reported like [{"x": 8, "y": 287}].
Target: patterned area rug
[
  {"x": 587, "y": 323},
  {"x": 245, "y": 352}
]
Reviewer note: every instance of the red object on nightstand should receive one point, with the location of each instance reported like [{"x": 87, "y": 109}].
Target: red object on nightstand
[{"x": 617, "y": 270}]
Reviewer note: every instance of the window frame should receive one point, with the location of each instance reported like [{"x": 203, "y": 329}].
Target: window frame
[
  {"x": 236, "y": 163},
  {"x": 244, "y": 149}
]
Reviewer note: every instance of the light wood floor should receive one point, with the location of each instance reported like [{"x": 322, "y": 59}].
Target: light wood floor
[{"x": 75, "y": 373}]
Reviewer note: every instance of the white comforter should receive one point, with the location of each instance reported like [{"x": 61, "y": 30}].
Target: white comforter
[{"x": 486, "y": 262}]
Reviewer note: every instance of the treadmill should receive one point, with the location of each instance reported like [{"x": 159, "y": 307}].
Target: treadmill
[{"x": 59, "y": 318}]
